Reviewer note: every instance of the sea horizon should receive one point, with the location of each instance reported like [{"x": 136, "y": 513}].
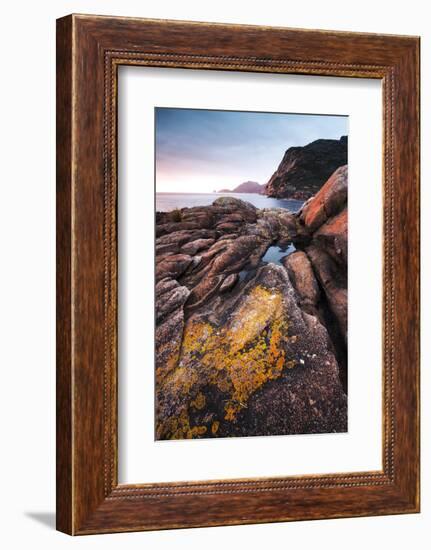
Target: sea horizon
[{"x": 168, "y": 201}]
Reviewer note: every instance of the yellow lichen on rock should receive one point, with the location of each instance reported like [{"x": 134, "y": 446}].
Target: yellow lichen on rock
[
  {"x": 239, "y": 358},
  {"x": 195, "y": 337},
  {"x": 214, "y": 427},
  {"x": 199, "y": 401},
  {"x": 254, "y": 365},
  {"x": 253, "y": 315},
  {"x": 179, "y": 427}
]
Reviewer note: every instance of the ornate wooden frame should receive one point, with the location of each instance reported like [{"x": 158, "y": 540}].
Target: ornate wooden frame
[{"x": 89, "y": 51}]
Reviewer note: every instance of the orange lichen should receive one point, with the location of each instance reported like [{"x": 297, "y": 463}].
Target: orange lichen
[
  {"x": 251, "y": 368},
  {"x": 252, "y": 316},
  {"x": 198, "y": 430},
  {"x": 195, "y": 337},
  {"x": 238, "y": 358},
  {"x": 169, "y": 366},
  {"x": 230, "y": 411},
  {"x": 179, "y": 428},
  {"x": 199, "y": 402}
]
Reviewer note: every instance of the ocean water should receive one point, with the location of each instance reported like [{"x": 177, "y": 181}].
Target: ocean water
[
  {"x": 275, "y": 253},
  {"x": 165, "y": 202}
]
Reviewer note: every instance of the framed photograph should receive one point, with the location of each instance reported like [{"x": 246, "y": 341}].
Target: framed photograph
[{"x": 237, "y": 274}]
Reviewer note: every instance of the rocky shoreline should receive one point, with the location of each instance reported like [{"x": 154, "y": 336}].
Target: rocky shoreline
[{"x": 245, "y": 347}]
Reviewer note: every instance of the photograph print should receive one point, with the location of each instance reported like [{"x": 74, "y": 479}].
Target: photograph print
[{"x": 251, "y": 273}]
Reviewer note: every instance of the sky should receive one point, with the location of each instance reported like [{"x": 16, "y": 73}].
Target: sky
[{"x": 199, "y": 151}]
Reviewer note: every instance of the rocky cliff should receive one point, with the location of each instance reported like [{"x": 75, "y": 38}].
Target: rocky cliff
[
  {"x": 246, "y": 347},
  {"x": 324, "y": 218},
  {"x": 303, "y": 170}
]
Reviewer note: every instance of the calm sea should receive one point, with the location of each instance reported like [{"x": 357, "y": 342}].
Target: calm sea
[{"x": 166, "y": 202}]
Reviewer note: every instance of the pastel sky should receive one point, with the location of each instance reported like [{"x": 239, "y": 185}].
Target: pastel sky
[{"x": 203, "y": 150}]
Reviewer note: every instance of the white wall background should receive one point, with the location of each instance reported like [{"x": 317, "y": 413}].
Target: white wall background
[{"x": 27, "y": 279}]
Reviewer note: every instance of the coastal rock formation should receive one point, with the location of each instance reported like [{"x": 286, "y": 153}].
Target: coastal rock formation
[
  {"x": 247, "y": 347},
  {"x": 170, "y": 299},
  {"x": 302, "y": 276},
  {"x": 325, "y": 218},
  {"x": 303, "y": 170},
  {"x": 330, "y": 200},
  {"x": 246, "y": 187},
  {"x": 241, "y": 355}
]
